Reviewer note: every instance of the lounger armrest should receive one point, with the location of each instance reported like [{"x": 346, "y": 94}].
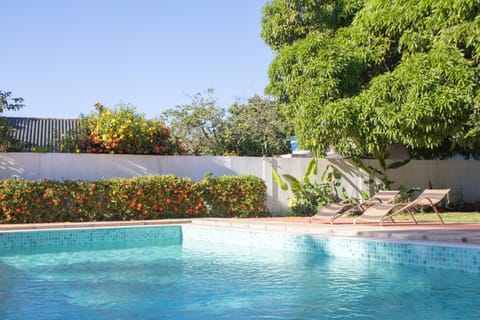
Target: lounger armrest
[
  {"x": 374, "y": 198},
  {"x": 416, "y": 201}
]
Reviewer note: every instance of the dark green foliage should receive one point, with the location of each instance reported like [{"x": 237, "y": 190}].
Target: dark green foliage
[
  {"x": 287, "y": 21},
  {"x": 362, "y": 75}
]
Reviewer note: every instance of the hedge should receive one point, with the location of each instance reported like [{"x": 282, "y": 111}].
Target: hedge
[{"x": 141, "y": 198}]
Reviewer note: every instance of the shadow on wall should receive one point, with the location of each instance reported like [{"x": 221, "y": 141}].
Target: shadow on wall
[
  {"x": 60, "y": 166},
  {"x": 194, "y": 168},
  {"x": 9, "y": 168},
  {"x": 353, "y": 179}
]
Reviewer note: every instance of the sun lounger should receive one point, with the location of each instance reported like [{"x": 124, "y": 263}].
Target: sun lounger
[
  {"x": 334, "y": 211},
  {"x": 382, "y": 211}
]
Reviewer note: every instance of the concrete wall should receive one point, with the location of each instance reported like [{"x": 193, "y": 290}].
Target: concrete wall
[{"x": 462, "y": 176}]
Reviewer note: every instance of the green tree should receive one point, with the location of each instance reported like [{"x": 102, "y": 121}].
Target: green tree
[
  {"x": 286, "y": 21},
  {"x": 199, "y": 125},
  {"x": 7, "y": 103},
  {"x": 362, "y": 75},
  {"x": 120, "y": 130},
  {"x": 256, "y": 128}
]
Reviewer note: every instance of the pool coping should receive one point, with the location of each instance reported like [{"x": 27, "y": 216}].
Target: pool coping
[
  {"x": 431, "y": 234},
  {"x": 86, "y": 225},
  {"x": 456, "y": 234}
]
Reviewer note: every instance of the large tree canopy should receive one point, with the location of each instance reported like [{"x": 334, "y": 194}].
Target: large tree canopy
[{"x": 361, "y": 75}]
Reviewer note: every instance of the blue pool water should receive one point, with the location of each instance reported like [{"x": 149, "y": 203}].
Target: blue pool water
[{"x": 159, "y": 279}]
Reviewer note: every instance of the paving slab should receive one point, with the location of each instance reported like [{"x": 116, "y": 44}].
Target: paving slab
[{"x": 432, "y": 232}]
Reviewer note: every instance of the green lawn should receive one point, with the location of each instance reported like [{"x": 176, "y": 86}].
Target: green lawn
[
  {"x": 460, "y": 217},
  {"x": 452, "y": 217}
]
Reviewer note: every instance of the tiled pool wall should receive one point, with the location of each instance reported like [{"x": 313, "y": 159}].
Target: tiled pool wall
[
  {"x": 75, "y": 237},
  {"x": 460, "y": 257}
]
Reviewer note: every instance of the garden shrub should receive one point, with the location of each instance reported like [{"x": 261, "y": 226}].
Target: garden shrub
[
  {"x": 140, "y": 198},
  {"x": 229, "y": 196},
  {"x": 118, "y": 131}
]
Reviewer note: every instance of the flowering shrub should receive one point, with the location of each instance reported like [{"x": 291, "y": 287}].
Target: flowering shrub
[
  {"x": 141, "y": 198},
  {"x": 235, "y": 196},
  {"x": 122, "y": 130}
]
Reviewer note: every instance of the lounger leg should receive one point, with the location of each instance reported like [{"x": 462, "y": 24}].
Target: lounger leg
[
  {"x": 386, "y": 217},
  {"x": 413, "y": 216},
  {"x": 438, "y": 214}
]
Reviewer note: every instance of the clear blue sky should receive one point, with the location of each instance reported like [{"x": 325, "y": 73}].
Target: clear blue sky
[{"x": 62, "y": 56}]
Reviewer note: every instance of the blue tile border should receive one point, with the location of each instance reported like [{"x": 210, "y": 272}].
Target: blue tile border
[
  {"x": 433, "y": 255},
  {"x": 75, "y": 237}
]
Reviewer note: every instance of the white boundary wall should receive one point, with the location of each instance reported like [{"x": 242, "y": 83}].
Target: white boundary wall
[{"x": 463, "y": 176}]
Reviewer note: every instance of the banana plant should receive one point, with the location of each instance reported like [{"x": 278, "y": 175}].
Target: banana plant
[
  {"x": 308, "y": 195},
  {"x": 295, "y": 184}
]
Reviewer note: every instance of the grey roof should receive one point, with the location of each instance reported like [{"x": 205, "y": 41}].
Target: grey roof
[{"x": 41, "y": 134}]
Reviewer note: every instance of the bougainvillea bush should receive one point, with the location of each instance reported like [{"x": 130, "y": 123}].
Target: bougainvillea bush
[{"x": 140, "y": 198}]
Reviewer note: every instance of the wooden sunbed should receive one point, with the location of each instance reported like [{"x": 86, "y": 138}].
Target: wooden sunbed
[
  {"x": 333, "y": 211},
  {"x": 383, "y": 211}
]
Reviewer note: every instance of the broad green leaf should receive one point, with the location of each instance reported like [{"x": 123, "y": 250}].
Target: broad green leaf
[
  {"x": 294, "y": 183},
  {"x": 278, "y": 180},
  {"x": 364, "y": 195},
  {"x": 311, "y": 170}
]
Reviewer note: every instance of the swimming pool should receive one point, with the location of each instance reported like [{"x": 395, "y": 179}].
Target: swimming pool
[{"x": 192, "y": 272}]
